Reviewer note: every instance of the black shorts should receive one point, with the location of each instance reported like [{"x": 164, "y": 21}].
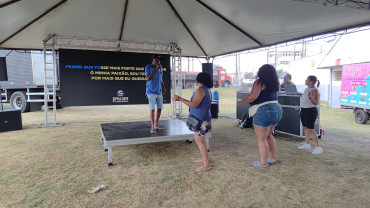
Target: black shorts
[{"x": 308, "y": 117}]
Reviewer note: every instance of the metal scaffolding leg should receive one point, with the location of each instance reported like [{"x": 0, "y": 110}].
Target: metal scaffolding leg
[
  {"x": 50, "y": 82},
  {"x": 176, "y": 84}
]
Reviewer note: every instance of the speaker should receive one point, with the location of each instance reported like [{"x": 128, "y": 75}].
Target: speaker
[
  {"x": 214, "y": 109},
  {"x": 3, "y": 71},
  {"x": 10, "y": 120},
  {"x": 208, "y": 68}
]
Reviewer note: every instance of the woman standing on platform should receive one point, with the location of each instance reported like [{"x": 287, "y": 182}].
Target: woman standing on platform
[
  {"x": 308, "y": 102},
  {"x": 267, "y": 113},
  {"x": 200, "y": 104}
]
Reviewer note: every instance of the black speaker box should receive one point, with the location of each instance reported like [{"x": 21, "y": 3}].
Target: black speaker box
[
  {"x": 214, "y": 109},
  {"x": 208, "y": 68},
  {"x": 3, "y": 71},
  {"x": 10, "y": 120}
]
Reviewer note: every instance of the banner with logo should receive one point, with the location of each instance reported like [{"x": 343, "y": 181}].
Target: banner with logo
[
  {"x": 107, "y": 78},
  {"x": 355, "y": 80}
]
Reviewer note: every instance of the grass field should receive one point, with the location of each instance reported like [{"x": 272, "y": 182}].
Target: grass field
[{"x": 55, "y": 167}]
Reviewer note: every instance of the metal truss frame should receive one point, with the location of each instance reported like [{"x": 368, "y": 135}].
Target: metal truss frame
[
  {"x": 115, "y": 45},
  {"x": 54, "y": 42},
  {"x": 354, "y": 4},
  {"x": 332, "y": 35},
  {"x": 177, "y": 84}
]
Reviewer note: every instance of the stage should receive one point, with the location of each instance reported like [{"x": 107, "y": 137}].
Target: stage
[{"x": 126, "y": 133}]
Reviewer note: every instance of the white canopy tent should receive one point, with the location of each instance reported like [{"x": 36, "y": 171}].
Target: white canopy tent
[{"x": 199, "y": 27}]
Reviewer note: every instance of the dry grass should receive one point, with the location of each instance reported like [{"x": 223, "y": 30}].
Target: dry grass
[{"x": 54, "y": 167}]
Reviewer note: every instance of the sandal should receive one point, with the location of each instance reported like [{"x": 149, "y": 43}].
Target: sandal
[
  {"x": 202, "y": 169},
  {"x": 198, "y": 161},
  {"x": 159, "y": 128},
  {"x": 258, "y": 165},
  {"x": 269, "y": 161}
]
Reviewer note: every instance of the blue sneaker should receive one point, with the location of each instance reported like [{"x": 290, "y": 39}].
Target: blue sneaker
[
  {"x": 270, "y": 162},
  {"x": 258, "y": 165}
]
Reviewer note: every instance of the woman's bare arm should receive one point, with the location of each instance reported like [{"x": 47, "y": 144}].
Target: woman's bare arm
[
  {"x": 314, "y": 97},
  {"x": 198, "y": 97},
  {"x": 256, "y": 91}
]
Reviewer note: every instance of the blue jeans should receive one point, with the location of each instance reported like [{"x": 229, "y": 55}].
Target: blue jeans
[
  {"x": 155, "y": 99},
  {"x": 268, "y": 115}
]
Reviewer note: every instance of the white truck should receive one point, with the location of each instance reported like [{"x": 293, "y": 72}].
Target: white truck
[{"x": 24, "y": 89}]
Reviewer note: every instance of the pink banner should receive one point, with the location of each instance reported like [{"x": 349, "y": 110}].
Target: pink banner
[{"x": 355, "y": 89}]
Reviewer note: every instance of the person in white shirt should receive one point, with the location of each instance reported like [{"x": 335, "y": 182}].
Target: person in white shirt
[{"x": 309, "y": 102}]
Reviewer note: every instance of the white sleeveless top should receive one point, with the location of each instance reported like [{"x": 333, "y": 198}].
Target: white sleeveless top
[{"x": 305, "y": 102}]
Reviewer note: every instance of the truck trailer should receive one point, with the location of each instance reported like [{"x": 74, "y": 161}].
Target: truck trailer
[
  {"x": 24, "y": 89},
  {"x": 355, "y": 90}
]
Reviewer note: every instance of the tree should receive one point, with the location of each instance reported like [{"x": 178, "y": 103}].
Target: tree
[
  {"x": 249, "y": 75},
  {"x": 280, "y": 72}
]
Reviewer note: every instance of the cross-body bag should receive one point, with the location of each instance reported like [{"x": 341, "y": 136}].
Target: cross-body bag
[
  {"x": 193, "y": 123},
  {"x": 253, "y": 109}
]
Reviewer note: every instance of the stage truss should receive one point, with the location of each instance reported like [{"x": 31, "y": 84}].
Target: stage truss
[
  {"x": 54, "y": 42},
  {"x": 354, "y": 4}
]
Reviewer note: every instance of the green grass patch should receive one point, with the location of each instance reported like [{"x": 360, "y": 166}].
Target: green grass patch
[{"x": 55, "y": 167}]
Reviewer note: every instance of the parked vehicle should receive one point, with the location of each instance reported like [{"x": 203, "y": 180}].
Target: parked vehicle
[
  {"x": 220, "y": 78},
  {"x": 24, "y": 89},
  {"x": 355, "y": 90}
]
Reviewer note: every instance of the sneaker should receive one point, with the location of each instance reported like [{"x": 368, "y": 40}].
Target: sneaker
[
  {"x": 317, "y": 150},
  {"x": 305, "y": 146}
]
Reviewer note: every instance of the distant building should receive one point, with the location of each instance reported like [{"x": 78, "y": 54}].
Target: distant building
[{"x": 350, "y": 49}]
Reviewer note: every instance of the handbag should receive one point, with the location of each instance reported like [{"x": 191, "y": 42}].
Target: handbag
[
  {"x": 193, "y": 123},
  {"x": 246, "y": 122},
  {"x": 253, "y": 110}
]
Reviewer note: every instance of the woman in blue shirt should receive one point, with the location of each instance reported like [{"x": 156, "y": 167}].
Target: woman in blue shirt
[{"x": 200, "y": 104}]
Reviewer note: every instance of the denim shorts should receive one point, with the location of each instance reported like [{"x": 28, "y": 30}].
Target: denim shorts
[
  {"x": 155, "y": 100},
  {"x": 268, "y": 115}
]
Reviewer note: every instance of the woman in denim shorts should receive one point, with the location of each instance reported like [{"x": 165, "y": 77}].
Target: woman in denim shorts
[{"x": 268, "y": 115}]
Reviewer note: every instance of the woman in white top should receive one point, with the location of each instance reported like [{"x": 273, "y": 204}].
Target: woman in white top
[{"x": 308, "y": 102}]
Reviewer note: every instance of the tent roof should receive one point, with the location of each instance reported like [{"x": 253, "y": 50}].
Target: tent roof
[
  {"x": 349, "y": 49},
  {"x": 199, "y": 27}
]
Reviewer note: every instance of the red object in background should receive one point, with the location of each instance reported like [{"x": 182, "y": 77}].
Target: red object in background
[
  {"x": 337, "y": 62},
  {"x": 322, "y": 132},
  {"x": 222, "y": 76}
]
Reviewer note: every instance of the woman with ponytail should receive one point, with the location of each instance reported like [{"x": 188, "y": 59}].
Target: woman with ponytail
[{"x": 309, "y": 102}]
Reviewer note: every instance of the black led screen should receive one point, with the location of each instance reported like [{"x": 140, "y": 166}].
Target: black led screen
[{"x": 106, "y": 78}]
